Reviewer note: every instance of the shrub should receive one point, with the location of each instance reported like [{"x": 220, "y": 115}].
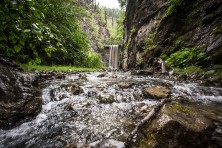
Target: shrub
[{"x": 186, "y": 57}]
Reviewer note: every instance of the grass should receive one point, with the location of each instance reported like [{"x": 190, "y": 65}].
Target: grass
[{"x": 57, "y": 68}]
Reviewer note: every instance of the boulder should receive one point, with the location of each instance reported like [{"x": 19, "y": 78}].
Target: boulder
[
  {"x": 156, "y": 92},
  {"x": 20, "y": 95},
  {"x": 176, "y": 126}
]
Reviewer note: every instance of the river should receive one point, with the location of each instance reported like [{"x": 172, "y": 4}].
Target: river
[{"x": 86, "y": 120}]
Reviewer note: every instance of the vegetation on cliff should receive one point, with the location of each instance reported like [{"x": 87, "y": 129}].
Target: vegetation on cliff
[{"x": 183, "y": 33}]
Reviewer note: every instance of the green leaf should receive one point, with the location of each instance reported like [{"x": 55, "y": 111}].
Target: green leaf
[{"x": 17, "y": 48}]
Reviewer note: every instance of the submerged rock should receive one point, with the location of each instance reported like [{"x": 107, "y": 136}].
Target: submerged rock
[
  {"x": 156, "y": 92},
  {"x": 72, "y": 88},
  {"x": 83, "y": 76},
  {"x": 101, "y": 75},
  {"x": 176, "y": 126},
  {"x": 106, "y": 99},
  {"x": 20, "y": 95}
]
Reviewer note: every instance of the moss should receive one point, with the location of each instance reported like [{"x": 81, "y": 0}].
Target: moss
[
  {"x": 173, "y": 4},
  {"x": 180, "y": 108},
  {"x": 150, "y": 140},
  {"x": 149, "y": 43}
]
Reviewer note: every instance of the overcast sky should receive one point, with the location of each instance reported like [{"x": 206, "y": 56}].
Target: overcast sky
[{"x": 109, "y": 3}]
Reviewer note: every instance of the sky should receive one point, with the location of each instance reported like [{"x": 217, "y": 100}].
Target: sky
[{"x": 108, "y": 3}]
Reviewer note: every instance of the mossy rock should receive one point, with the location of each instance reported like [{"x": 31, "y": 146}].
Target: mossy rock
[{"x": 176, "y": 126}]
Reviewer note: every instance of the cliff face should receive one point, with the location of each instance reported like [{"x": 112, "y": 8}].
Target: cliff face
[{"x": 188, "y": 29}]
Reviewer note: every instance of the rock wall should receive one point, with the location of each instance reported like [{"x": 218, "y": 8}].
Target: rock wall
[
  {"x": 20, "y": 95},
  {"x": 159, "y": 28}
]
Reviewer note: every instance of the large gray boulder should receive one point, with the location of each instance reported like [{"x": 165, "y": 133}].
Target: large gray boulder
[{"x": 20, "y": 95}]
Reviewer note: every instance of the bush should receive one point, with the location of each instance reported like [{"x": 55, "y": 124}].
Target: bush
[
  {"x": 93, "y": 61},
  {"x": 186, "y": 57}
]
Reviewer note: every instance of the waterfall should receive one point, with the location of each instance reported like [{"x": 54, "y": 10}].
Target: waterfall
[{"x": 114, "y": 57}]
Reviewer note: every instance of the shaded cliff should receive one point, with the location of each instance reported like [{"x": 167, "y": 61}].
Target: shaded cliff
[{"x": 182, "y": 32}]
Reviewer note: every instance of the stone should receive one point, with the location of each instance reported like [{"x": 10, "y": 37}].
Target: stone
[
  {"x": 176, "y": 126},
  {"x": 106, "y": 99},
  {"x": 83, "y": 76},
  {"x": 20, "y": 94},
  {"x": 73, "y": 88},
  {"x": 156, "y": 92},
  {"x": 142, "y": 72},
  {"x": 101, "y": 75},
  {"x": 124, "y": 85}
]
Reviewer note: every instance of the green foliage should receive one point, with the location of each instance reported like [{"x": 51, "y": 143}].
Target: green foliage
[
  {"x": 123, "y": 3},
  {"x": 22, "y": 30},
  {"x": 186, "y": 57},
  {"x": 56, "y": 68},
  {"x": 115, "y": 18},
  {"x": 120, "y": 29},
  {"x": 149, "y": 42},
  {"x": 189, "y": 69},
  {"x": 173, "y": 4},
  {"x": 43, "y": 31},
  {"x": 94, "y": 60}
]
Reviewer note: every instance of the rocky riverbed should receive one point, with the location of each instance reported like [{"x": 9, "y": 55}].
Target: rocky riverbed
[{"x": 101, "y": 109}]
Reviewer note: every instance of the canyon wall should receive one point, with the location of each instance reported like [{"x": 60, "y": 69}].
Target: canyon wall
[{"x": 190, "y": 30}]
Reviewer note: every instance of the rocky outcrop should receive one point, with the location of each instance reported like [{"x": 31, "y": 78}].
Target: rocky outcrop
[
  {"x": 161, "y": 28},
  {"x": 176, "y": 126},
  {"x": 20, "y": 95}
]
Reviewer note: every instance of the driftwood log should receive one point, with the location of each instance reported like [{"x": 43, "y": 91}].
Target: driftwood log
[{"x": 152, "y": 115}]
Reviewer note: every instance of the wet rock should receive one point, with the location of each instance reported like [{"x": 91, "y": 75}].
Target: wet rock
[
  {"x": 60, "y": 76},
  {"x": 142, "y": 72},
  {"x": 156, "y": 92},
  {"x": 92, "y": 93},
  {"x": 71, "y": 145},
  {"x": 124, "y": 85},
  {"x": 46, "y": 76},
  {"x": 144, "y": 109},
  {"x": 176, "y": 126},
  {"x": 83, "y": 76},
  {"x": 73, "y": 88},
  {"x": 182, "y": 77},
  {"x": 20, "y": 95},
  {"x": 106, "y": 99},
  {"x": 101, "y": 75}
]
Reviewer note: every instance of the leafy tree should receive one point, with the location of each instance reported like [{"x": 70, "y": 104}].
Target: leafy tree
[
  {"x": 22, "y": 30},
  {"x": 43, "y": 31}
]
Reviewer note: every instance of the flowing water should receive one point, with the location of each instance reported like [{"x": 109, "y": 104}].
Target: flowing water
[
  {"x": 114, "y": 57},
  {"x": 85, "y": 121}
]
